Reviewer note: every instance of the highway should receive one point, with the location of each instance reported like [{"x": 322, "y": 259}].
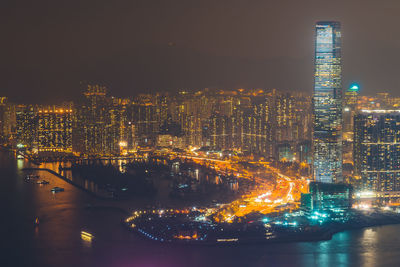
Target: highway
[{"x": 272, "y": 191}]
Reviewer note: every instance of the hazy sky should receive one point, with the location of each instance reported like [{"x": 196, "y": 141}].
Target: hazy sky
[{"x": 47, "y": 47}]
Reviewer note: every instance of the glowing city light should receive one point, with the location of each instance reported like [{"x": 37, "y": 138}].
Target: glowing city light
[{"x": 354, "y": 87}]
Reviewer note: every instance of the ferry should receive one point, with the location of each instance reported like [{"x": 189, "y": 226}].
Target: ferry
[
  {"x": 57, "y": 189},
  {"x": 86, "y": 236}
]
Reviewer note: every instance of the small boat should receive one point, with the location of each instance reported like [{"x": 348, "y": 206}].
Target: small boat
[
  {"x": 43, "y": 182},
  {"x": 31, "y": 176},
  {"x": 86, "y": 236},
  {"x": 37, "y": 221},
  {"x": 57, "y": 189}
]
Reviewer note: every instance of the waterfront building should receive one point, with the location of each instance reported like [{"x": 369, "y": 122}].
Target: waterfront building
[
  {"x": 119, "y": 131},
  {"x": 327, "y": 137},
  {"x": 377, "y": 149},
  {"x": 54, "y": 129},
  {"x": 26, "y": 126},
  {"x": 327, "y": 197},
  {"x": 7, "y": 120}
]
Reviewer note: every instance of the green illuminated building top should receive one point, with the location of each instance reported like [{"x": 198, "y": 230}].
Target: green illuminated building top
[{"x": 354, "y": 87}]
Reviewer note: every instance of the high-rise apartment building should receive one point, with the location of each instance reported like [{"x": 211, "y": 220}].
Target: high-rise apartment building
[
  {"x": 7, "y": 120},
  {"x": 377, "y": 149},
  {"x": 26, "y": 126},
  {"x": 144, "y": 117},
  {"x": 54, "y": 129},
  {"x": 97, "y": 123},
  {"x": 327, "y": 137}
]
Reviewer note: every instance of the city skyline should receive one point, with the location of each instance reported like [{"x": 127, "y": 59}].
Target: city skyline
[
  {"x": 131, "y": 126},
  {"x": 140, "y": 47}
]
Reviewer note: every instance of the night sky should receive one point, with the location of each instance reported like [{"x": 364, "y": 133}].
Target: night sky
[{"x": 47, "y": 47}]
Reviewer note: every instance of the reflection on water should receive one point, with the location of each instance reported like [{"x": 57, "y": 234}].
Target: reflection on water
[
  {"x": 78, "y": 180},
  {"x": 63, "y": 168},
  {"x": 369, "y": 239},
  {"x": 20, "y": 163}
]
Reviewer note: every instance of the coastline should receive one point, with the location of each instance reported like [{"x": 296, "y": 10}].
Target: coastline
[
  {"x": 323, "y": 235},
  {"x": 240, "y": 237},
  {"x": 293, "y": 239}
]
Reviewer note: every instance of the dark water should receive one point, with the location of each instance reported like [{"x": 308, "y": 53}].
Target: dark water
[{"x": 57, "y": 240}]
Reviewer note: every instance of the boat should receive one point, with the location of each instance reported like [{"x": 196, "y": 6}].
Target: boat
[
  {"x": 36, "y": 221},
  {"x": 43, "y": 182},
  {"x": 86, "y": 236},
  {"x": 57, "y": 189},
  {"x": 31, "y": 176}
]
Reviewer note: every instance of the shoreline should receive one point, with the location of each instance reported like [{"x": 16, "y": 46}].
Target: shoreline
[
  {"x": 279, "y": 235},
  {"x": 325, "y": 234},
  {"x": 325, "y": 237}
]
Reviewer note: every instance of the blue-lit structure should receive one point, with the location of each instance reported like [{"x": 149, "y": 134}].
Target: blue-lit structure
[
  {"x": 327, "y": 197},
  {"x": 327, "y": 139}
]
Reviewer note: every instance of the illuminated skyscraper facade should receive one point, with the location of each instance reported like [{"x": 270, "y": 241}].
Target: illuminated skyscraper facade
[{"x": 327, "y": 137}]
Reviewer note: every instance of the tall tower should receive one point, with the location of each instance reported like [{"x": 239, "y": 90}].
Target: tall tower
[{"x": 327, "y": 137}]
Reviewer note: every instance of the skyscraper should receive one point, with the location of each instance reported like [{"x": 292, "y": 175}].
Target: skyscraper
[
  {"x": 349, "y": 110},
  {"x": 327, "y": 137}
]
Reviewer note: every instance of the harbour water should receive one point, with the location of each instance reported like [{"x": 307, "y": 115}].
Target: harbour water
[{"x": 57, "y": 240}]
